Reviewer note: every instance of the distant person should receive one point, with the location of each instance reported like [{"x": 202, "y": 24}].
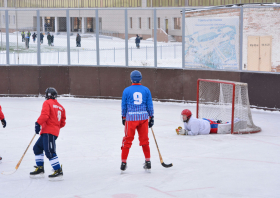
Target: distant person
[
  {"x": 78, "y": 40},
  {"x": 46, "y": 27},
  {"x": 23, "y": 36},
  {"x": 29, "y": 36},
  {"x": 137, "y": 41},
  {"x": 49, "y": 37},
  {"x": 27, "y": 41},
  {"x": 34, "y": 36},
  {"x": 41, "y": 38},
  {"x": 52, "y": 40}
]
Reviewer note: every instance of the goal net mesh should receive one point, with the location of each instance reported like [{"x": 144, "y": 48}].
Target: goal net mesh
[{"x": 215, "y": 102}]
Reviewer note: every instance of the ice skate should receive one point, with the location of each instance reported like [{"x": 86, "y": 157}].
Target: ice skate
[
  {"x": 38, "y": 173},
  {"x": 147, "y": 166},
  {"x": 0, "y": 160},
  {"x": 123, "y": 166},
  {"x": 57, "y": 175}
]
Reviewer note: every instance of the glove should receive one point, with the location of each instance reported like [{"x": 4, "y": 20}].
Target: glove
[
  {"x": 4, "y": 123},
  {"x": 123, "y": 121},
  {"x": 151, "y": 121},
  {"x": 178, "y": 130},
  {"x": 37, "y": 128},
  {"x": 181, "y": 131}
]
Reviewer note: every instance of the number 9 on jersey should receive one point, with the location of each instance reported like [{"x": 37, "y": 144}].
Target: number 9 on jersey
[{"x": 137, "y": 96}]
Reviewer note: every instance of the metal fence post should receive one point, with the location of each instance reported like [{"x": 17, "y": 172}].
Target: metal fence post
[
  {"x": 146, "y": 52},
  {"x": 241, "y": 39},
  {"x": 7, "y": 37},
  {"x": 161, "y": 52},
  {"x": 126, "y": 37},
  {"x": 38, "y": 39},
  {"x": 97, "y": 37},
  {"x": 155, "y": 37},
  {"x": 68, "y": 37},
  {"x": 78, "y": 56},
  {"x": 114, "y": 54},
  {"x": 183, "y": 36}
]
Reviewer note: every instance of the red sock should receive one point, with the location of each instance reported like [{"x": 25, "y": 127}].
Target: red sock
[
  {"x": 146, "y": 150},
  {"x": 125, "y": 152}
]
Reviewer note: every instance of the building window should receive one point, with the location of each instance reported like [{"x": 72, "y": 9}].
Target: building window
[
  {"x": 149, "y": 23},
  {"x": 177, "y": 23},
  {"x": 158, "y": 23},
  {"x": 130, "y": 22},
  {"x": 14, "y": 19},
  {"x": 139, "y": 22},
  {"x": 169, "y": 3}
]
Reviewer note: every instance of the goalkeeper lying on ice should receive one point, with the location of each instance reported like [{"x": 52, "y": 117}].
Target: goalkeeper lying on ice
[{"x": 194, "y": 126}]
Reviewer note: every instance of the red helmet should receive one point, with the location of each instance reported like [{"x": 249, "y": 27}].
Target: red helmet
[{"x": 186, "y": 112}]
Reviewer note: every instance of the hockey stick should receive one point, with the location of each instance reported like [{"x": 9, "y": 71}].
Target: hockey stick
[
  {"x": 161, "y": 161},
  {"x": 12, "y": 172}
]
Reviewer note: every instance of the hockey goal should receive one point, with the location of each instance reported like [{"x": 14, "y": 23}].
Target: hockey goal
[{"x": 227, "y": 101}]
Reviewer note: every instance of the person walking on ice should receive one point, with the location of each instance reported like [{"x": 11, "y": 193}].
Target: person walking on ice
[
  {"x": 194, "y": 126},
  {"x": 137, "y": 113},
  {"x": 51, "y": 120},
  {"x": 3, "y": 121}
]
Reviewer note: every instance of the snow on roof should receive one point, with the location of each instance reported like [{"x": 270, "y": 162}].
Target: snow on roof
[{"x": 197, "y": 9}]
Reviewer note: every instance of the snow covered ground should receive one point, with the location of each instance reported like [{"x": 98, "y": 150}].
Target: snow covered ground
[
  {"x": 89, "y": 150},
  {"x": 112, "y": 51}
]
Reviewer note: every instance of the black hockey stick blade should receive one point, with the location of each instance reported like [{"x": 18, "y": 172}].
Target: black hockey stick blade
[{"x": 166, "y": 165}]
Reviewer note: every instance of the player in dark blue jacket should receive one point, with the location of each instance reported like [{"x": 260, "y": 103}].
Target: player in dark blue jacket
[{"x": 137, "y": 113}]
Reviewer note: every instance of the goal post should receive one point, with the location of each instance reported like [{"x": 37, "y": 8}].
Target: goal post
[{"x": 227, "y": 101}]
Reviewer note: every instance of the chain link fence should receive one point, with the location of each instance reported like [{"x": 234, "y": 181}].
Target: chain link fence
[{"x": 236, "y": 37}]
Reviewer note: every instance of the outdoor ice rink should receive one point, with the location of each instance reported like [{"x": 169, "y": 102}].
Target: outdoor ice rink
[{"x": 89, "y": 150}]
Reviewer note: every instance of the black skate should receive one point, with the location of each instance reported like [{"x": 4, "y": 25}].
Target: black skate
[
  {"x": 0, "y": 160},
  {"x": 147, "y": 166},
  {"x": 123, "y": 166},
  {"x": 57, "y": 175},
  {"x": 38, "y": 173}
]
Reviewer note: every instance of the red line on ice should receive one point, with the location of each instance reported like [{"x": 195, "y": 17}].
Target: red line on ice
[{"x": 161, "y": 191}]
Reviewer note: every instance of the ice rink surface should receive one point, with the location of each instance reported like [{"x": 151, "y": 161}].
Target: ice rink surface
[{"x": 89, "y": 150}]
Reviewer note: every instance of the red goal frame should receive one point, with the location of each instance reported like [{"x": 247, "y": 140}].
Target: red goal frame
[{"x": 233, "y": 102}]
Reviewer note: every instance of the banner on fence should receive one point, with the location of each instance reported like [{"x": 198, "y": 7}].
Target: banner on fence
[{"x": 212, "y": 42}]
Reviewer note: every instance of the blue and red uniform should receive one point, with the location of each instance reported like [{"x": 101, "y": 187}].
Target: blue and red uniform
[
  {"x": 213, "y": 126},
  {"x": 137, "y": 107}
]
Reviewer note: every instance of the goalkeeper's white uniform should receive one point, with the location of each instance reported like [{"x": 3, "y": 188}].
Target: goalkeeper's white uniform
[{"x": 197, "y": 126}]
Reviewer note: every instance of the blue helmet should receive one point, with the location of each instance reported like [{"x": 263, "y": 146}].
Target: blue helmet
[{"x": 136, "y": 76}]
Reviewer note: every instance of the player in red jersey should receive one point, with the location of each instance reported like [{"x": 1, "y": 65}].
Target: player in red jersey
[
  {"x": 51, "y": 120},
  {"x": 3, "y": 121}
]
